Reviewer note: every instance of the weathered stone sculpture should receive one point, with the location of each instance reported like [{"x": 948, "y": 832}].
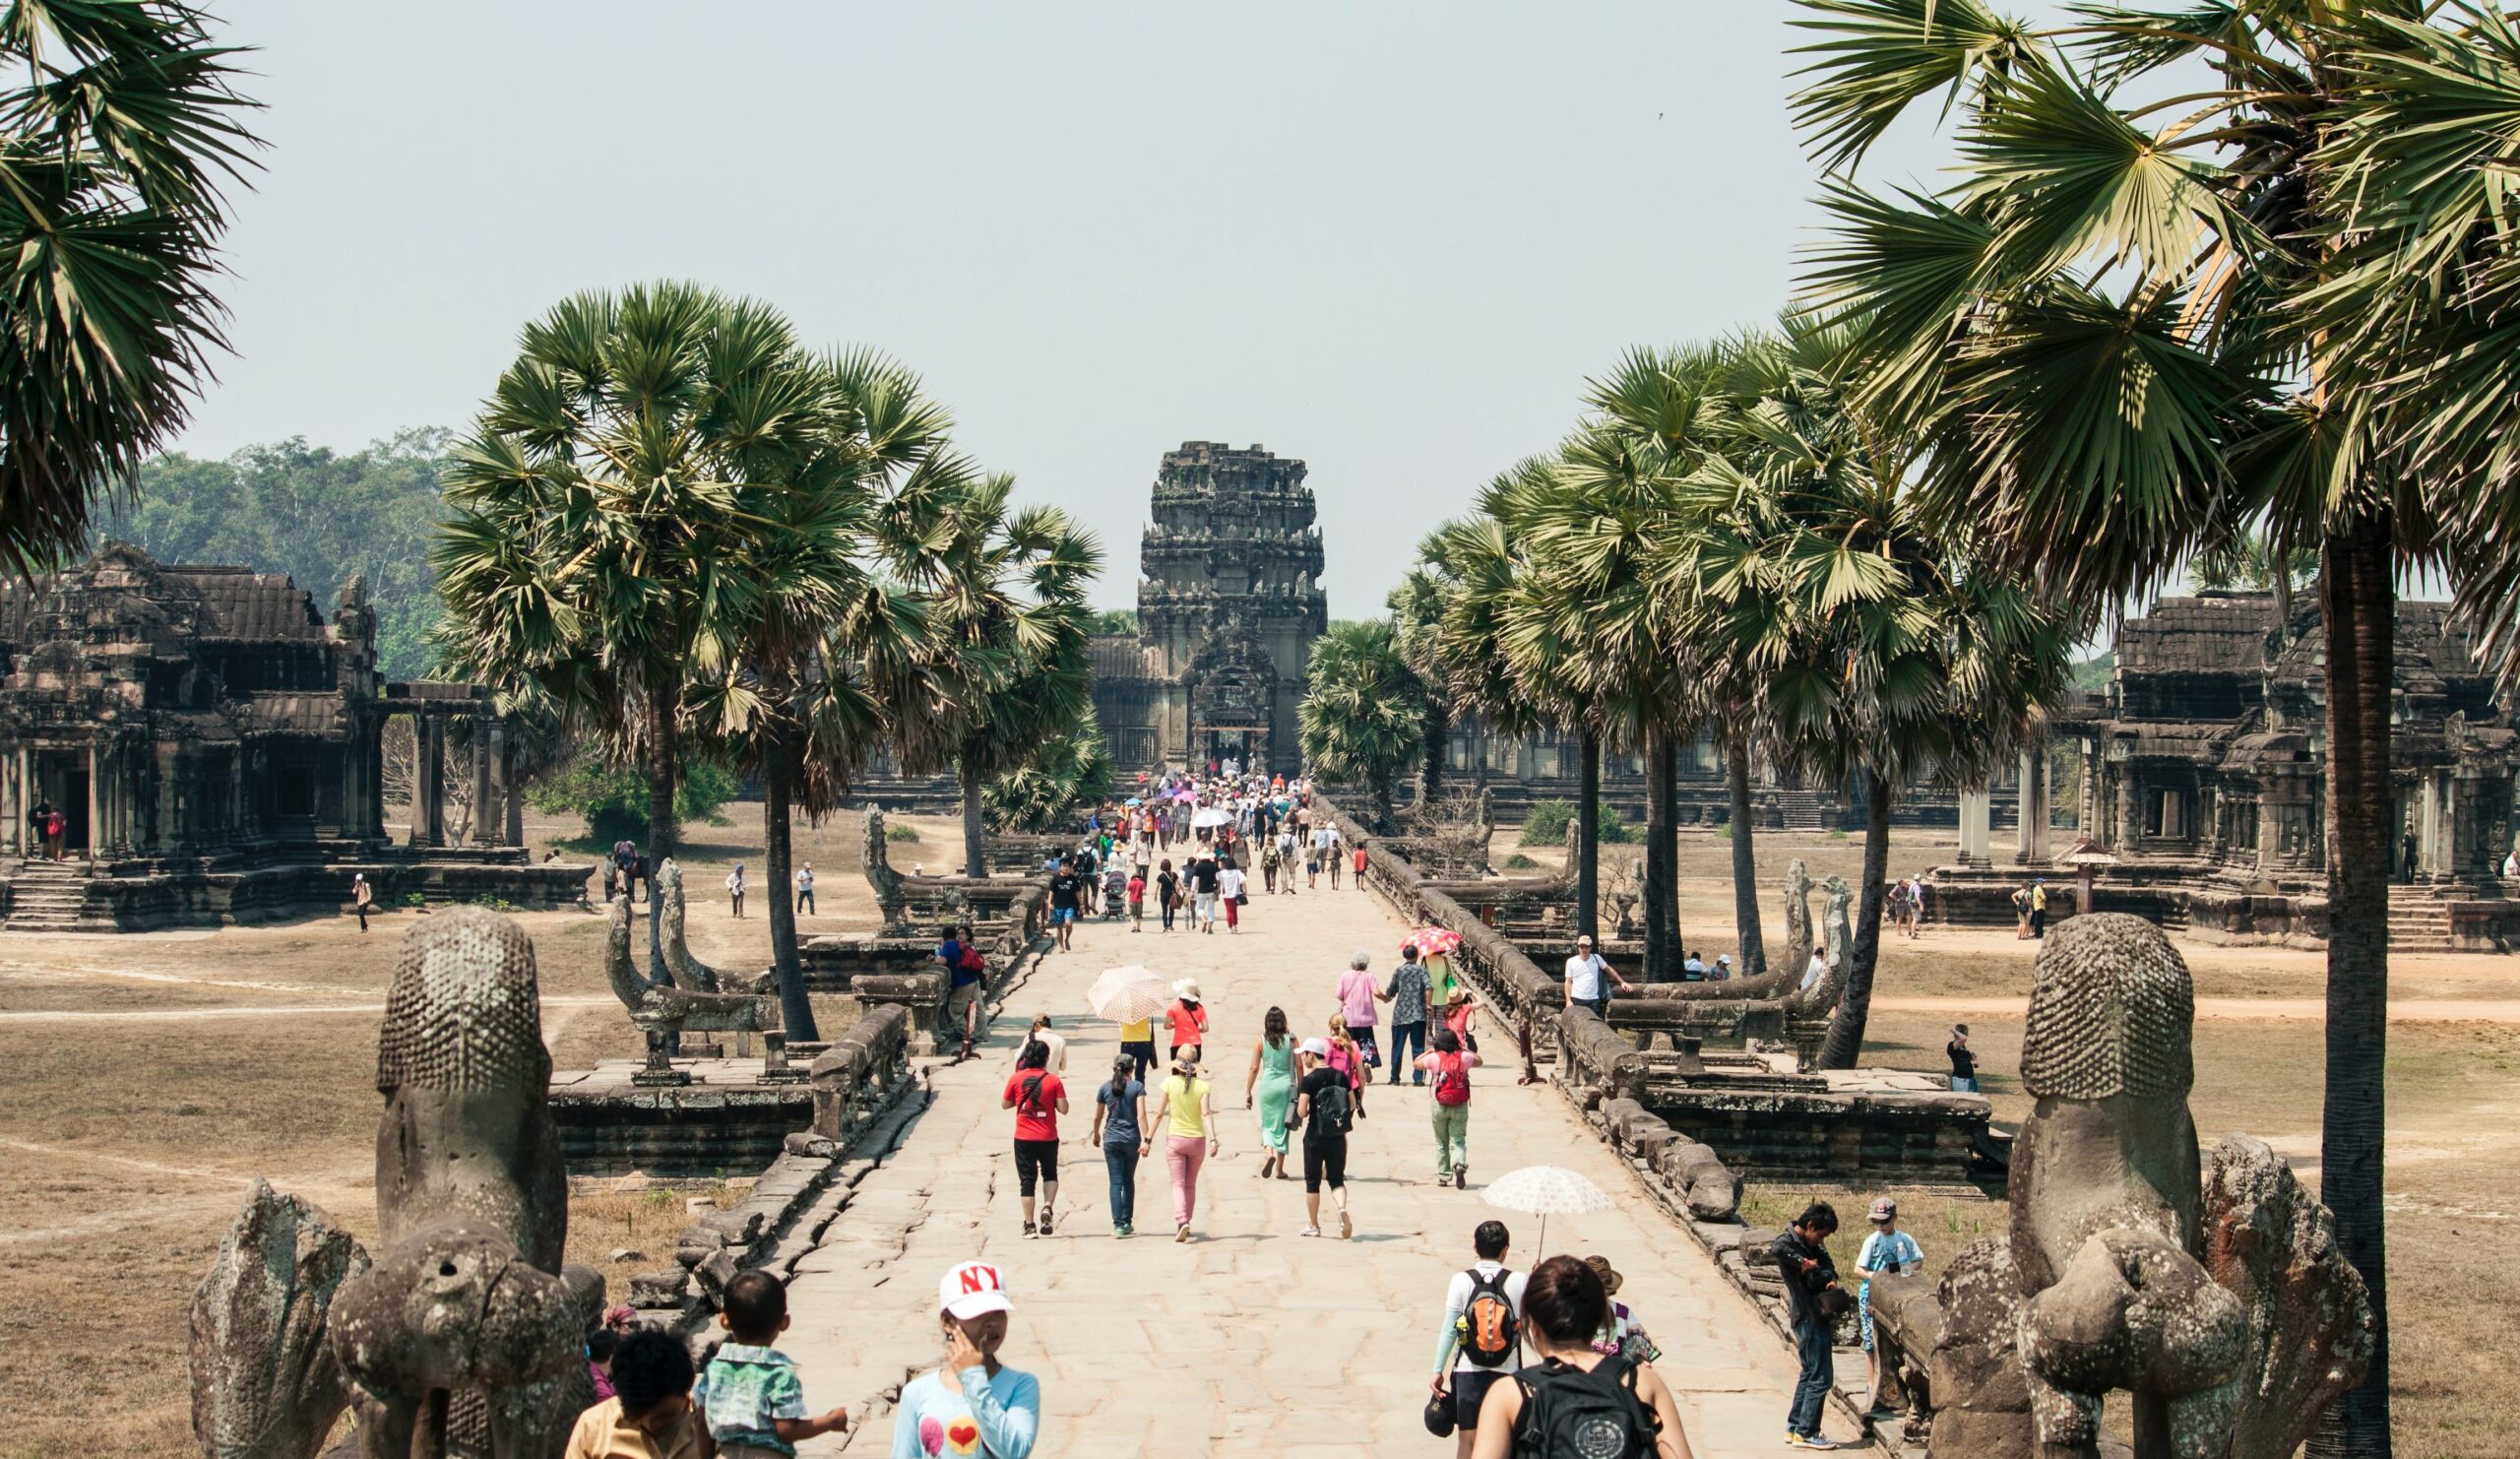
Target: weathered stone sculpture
[
  {"x": 265, "y": 1382},
  {"x": 890, "y": 899},
  {"x": 682, "y": 970},
  {"x": 466, "y": 1336},
  {"x": 2224, "y": 1308},
  {"x": 664, "y": 1010},
  {"x": 1798, "y": 918}
]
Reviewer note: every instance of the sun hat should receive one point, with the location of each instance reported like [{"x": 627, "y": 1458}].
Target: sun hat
[
  {"x": 1886, "y": 1209},
  {"x": 1611, "y": 1281},
  {"x": 971, "y": 1289},
  {"x": 1187, "y": 987}
]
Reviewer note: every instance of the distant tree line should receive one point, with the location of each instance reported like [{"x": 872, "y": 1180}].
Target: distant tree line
[{"x": 316, "y": 514}]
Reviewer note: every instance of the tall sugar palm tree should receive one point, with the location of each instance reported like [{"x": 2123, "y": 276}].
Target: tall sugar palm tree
[
  {"x": 115, "y": 142},
  {"x": 1363, "y": 712},
  {"x": 1416, "y": 618},
  {"x": 2206, "y": 271}
]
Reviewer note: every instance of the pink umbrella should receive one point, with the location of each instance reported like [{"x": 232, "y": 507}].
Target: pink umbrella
[{"x": 1434, "y": 942}]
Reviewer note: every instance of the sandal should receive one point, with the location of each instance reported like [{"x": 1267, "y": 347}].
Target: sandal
[{"x": 1309, "y": 1231}]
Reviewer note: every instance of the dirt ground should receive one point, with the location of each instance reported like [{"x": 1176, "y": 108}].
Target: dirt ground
[{"x": 151, "y": 1077}]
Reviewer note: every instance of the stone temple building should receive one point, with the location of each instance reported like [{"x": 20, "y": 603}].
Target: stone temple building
[
  {"x": 1229, "y": 605},
  {"x": 216, "y": 746},
  {"x": 2202, "y": 779}
]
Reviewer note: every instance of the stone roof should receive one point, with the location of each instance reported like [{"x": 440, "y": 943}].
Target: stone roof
[
  {"x": 2210, "y": 632},
  {"x": 1116, "y": 656},
  {"x": 220, "y": 603}
]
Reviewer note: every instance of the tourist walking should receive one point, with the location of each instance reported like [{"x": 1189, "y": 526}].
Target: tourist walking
[
  {"x": 1480, "y": 1339},
  {"x": 1589, "y": 975},
  {"x": 1459, "y": 1018},
  {"x": 1137, "y": 899},
  {"x": 1119, "y": 1129},
  {"x": 1203, "y": 888},
  {"x": 1802, "y": 1263},
  {"x": 1067, "y": 899},
  {"x": 806, "y": 888},
  {"x": 1450, "y": 1064},
  {"x": 1037, "y": 1098},
  {"x": 736, "y": 888},
  {"x": 363, "y": 898},
  {"x": 1358, "y": 994},
  {"x": 1057, "y": 1044},
  {"x": 1324, "y": 1097},
  {"x": 1273, "y": 1080},
  {"x": 1406, "y": 993},
  {"x": 1330, "y": 850},
  {"x": 1358, "y": 865},
  {"x": 1290, "y": 849},
  {"x": 1168, "y": 892},
  {"x": 1886, "y": 1252},
  {"x": 1344, "y": 1056},
  {"x": 973, "y": 1406},
  {"x": 967, "y": 979},
  {"x": 1185, "y": 1111},
  {"x": 1625, "y": 1337},
  {"x": 1187, "y": 1022},
  {"x": 1575, "y": 1400},
  {"x": 1964, "y": 1064},
  {"x": 749, "y": 1393},
  {"x": 1229, "y": 882},
  {"x": 1268, "y": 866}
]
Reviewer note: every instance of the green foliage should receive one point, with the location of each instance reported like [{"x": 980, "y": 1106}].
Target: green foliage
[
  {"x": 613, "y": 798},
  {"x": 1364, "y": 715},
  {"x": 317, "y": 515},
  {"x": 1112, "y": 620},
  {"x": 118, "y": 128},
  {"x": 1070, "y": 771},
  {"x": 2093, "y": 675},
  {"x": 1547, "y": 822},
  {"x": 900, "y": 833},
  {"x": 1520, "y": 863}
]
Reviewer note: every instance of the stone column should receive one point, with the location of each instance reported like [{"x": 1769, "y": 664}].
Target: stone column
[
  {"x": 2087, "y": 814},
  {"x": 13, "y": 805},
  {"x": 2033, "y": 834},
  {"x": 494, "y": 819},
  {"x": 1977, "y": 827},
  {"x": 95, "y": 778},
  {"x": 486, "y": 817},
  {"x": 429, "y": 813}
]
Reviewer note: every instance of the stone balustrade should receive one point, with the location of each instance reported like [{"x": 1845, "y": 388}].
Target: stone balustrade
[{"x": 858, "y": 1076}]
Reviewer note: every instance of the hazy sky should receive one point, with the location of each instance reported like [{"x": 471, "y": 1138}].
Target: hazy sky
[{"x": 1389, "y": 239}]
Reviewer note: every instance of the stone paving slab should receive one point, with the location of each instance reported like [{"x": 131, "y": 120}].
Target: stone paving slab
[{"x": 1250, "y": 1338}]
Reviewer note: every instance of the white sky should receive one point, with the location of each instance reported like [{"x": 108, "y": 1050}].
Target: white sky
[{"x": 1389, "y": 239}]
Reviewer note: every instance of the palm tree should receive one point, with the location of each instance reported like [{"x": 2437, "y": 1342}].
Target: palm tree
[
  {"x": 1071, "y": 770},
  {"x": 1005, "y": 593},
  {"x": 1416, "y": 619},
  {"x": 2225, "y": 268},
  {"x": 113, "y": 149},
  {"x": 1363, "y": 712}
]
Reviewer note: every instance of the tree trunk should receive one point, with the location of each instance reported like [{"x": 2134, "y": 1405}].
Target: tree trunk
[
  {"x": 795, "y": 1008},
  {"x": 1855, "y": 1002},
  {"x": 2360, "y": 604},
  {"x": 975, "y": 828},
  {"x": 1386, "y": 819},
  {"x": 664, "y": 763},
  {"x": 1439, "y": 738},
  {"x": 1745, "y": 860},
  {"x": 1587, "y": 841},
  {"x": 1661, "y": 863}
]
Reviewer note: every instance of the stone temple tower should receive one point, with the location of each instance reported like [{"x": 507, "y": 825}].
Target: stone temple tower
[{"x": 1230, "y": 605}]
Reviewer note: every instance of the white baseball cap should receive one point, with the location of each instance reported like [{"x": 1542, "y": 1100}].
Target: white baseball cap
[
  {"x": 1317, "y": 1047},
  {"x": 971, "y": 1289}
]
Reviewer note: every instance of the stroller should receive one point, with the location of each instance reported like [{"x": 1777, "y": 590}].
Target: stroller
[{"x": 1115, "y": 892}]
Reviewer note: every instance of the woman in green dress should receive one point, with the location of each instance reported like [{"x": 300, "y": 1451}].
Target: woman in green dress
[{"x": 1272, "y": 1076}]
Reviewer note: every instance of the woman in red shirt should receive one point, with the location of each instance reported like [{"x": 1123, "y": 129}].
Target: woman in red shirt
[
  {"x": 1037, "y": 1098},
  {"x": 1188, "y": 1021}
]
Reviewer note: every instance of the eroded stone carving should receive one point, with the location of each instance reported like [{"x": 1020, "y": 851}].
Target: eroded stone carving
[
  {"x": 1798, "y": 918},
  {"x": 682, "y": 970},
  {"x": 890, "y": 899},
  {"x": 265, "y": 1382},
  {"x": 662, "y": 1011},
  {"x": 2308, "y": 1313}
]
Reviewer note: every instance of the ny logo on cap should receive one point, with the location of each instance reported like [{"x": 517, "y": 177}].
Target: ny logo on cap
[{"x": 978, "y": 1277}]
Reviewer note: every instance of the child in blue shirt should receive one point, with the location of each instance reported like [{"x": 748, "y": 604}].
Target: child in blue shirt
[
  {"x": 1888, "y": 1251},
  {"x": 750, "y": 1393},
  {"x": 973, "y": 1407}
]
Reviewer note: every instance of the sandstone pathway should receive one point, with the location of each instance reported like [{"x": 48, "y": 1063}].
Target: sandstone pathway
[{"x": 1249, "y": 1339}]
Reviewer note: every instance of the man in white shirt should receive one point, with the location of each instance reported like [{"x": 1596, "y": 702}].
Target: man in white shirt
[
  {"x": 1468, "y": 1382},
  {"x": 1056, "y": 1045},
  {"x": 1814, "y": 974},
  {"x": 1585, "y": 972},
  {"x": 805, "y": 887}
]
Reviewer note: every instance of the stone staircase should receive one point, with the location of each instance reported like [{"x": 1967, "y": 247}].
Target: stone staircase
[
  {"x": 2419, "y": 921},
  {"x": 48, "y": 896},
  {"x": 1806, "y": 811}
]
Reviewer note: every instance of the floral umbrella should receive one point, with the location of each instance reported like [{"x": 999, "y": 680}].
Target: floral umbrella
[{"x": 1432, "y": 942}]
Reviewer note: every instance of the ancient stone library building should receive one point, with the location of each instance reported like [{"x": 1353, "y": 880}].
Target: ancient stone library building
[
  {"x": 214, "y": 747},
  {"x": 2203, "y": 783}
]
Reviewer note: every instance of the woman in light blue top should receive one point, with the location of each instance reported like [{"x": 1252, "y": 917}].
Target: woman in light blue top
[{"x": 973, "y": 1407}]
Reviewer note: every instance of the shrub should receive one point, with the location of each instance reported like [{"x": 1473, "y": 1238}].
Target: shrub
[
  {"x": 613, "y": 798},
  {"x": 1545, "y": 825},
  {"x": 1520, "y": 863},
  {"x": 900, "y": 833}
]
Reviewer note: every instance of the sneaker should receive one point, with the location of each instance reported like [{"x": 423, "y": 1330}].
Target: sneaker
[
  {"x": 1346, "y": 1226},
  {"x": 1046, "y": 1223},
  {"x": 1461, "y": 1179},
  {"x": 1181, "y": 1233},
  {"x": 1309, "y": 1231},
  {"x": 1795, "y": 1440},
  {"x": 1029, "y": 1232},
  {"x": 1123, "y": 1231}
]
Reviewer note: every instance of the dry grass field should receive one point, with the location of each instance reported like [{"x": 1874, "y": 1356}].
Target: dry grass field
[{"x": 149, "y": 1079}]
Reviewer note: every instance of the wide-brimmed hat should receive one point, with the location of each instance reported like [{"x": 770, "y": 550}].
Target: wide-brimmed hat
[
  {"x": 1611, "y": 1281},
  {"x": 1187, "y": 987},
  {"x": 971, "y": 1289}
]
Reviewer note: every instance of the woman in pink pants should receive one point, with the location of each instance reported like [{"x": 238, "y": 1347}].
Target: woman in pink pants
[{"x": 1186, "y": 1116}]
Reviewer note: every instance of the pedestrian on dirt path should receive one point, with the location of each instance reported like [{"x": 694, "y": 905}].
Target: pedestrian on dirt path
[
  {"x": 1809, "y": 1276},
  {"x": 1187, "y": 1021},
  {"x": 805, "y": 890},
  {"x": 1481, "y": 1340},
  {"x": 973, "y": 1406},
  {"x": 1038, "y": 1098},
  {"x": 1119, "y": 1129},
  {"x": 1407, "y": 993},
  {"x": 363, "y": 898},
  {"x": 1575, "y": 1400},
  {"x": 1450, "y": 1064},
  {"x": 736, "y": 888},
  {"x": 1324, "y": 1097},
  {"x": 1358, "y": 994},
  {"x": 1272, "y": 1075},
  {"x": 1964, "y": 1064},
  {"x": 1185, "y": 1113},
  {"x": 1344, "y": 1056}
]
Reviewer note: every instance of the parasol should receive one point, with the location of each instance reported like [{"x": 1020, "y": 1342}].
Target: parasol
[
  {"x": 1434, "y": 942},
  {"x": 1129, "y": 994},
  {"x": 1210, "y": 818},
  {"x": 1545, "y": 1191}
]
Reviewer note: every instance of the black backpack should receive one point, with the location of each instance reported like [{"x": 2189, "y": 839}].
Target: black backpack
[
  {"x": 1570, "y": 1414},
  {"x": 1329, "y": 1111}
]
